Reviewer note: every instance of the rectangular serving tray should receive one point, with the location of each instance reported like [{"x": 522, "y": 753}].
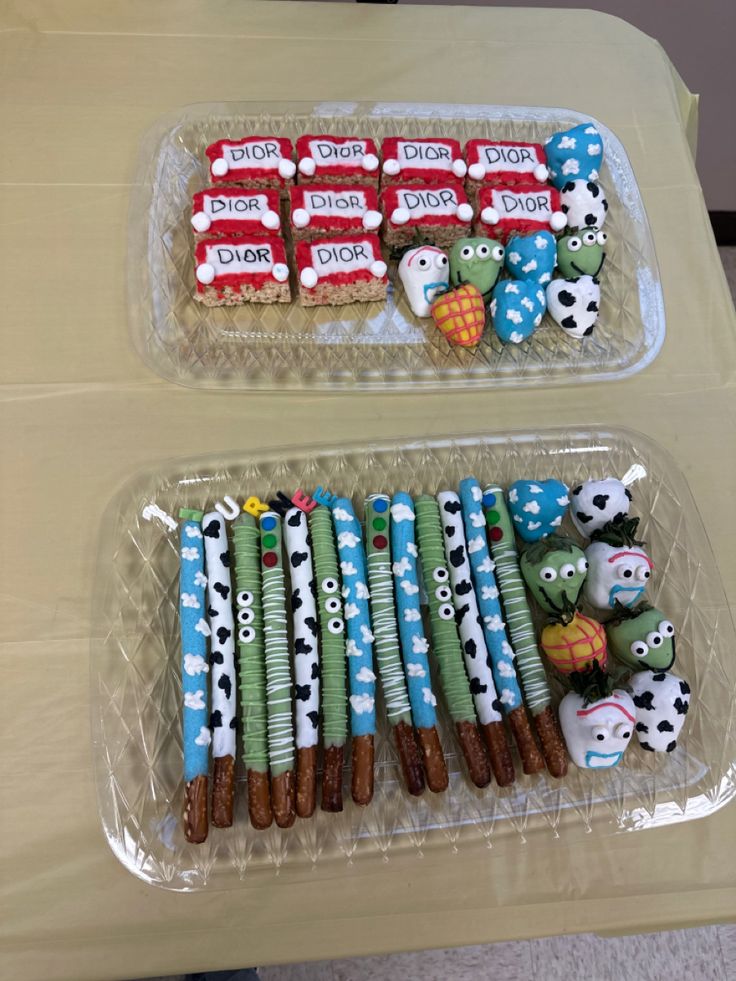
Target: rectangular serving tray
[
  {"x": 136, "y": 685},
  {"x": 366, "y": 346}
]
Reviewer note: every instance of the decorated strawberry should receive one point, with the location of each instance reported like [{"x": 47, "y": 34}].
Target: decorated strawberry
[
  {"x": 618, "y": 567},
  {"x": 554, "y": 571},
  {"x": 460, "y": 315},
  {"x": 662, "y": 701},
  {"x": 597, "y": 719},
  {"x": 573, "y": 642},
  {"x": 596, "y": 502},
  {"x": 537, "y": 507},
  {"x": 642, "y": 638}
]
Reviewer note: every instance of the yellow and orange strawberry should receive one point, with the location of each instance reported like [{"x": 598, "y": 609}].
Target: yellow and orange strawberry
[
  {"x": 460, "y": 315},
  {"x": 575, "y": 644}
]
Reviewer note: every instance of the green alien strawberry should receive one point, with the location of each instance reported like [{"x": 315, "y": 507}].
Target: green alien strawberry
[
  {"x": 581, "y": 254},
  {"x": 642, "y": 638},
  {"x": 554, "y": 570},
  {"x": 478, "y": 261}
]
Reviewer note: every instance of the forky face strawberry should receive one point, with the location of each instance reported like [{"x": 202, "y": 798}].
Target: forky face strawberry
[
  {"x": 616, "y": 574},
  {"x": 597, "y": 733},
  {"x": 425, "y": 272}
]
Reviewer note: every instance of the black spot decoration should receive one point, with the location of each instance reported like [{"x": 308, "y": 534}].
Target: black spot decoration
[
  {"x": 476, "y": 688},
  {"x": 223, "y": 590},
  {"x": 600, "y": 501},
  {"x": 301, "y": 646},
  {"x": 681, "y": 706},
  {"x": 211, "y": 612},
  {"x": 449, "y": 531},
  {"x": 471, "y": 648},
  {"x": 216, "y": 719},
  {"x": 222, "y": 634},
  {"x": 296, "y": 601},
  {"x": 212, "y": 529},
  {"x": 225, "y": 559},
  {"x": 566, "y": 298},
  {"x": 297, "y": 558},
  {"x": 671, "y": 746},
  {"x": 684, "y": 688},
  {"x": 645, "y": 701},
  {"x": 226, "y": 684},
  {"x": 464, "y": 587},
  {"x": 583, "y": 518},
  {"x": 312, "y": 624},
  {"x": 302, "y": 692},
  {"x": 640, "y": 727},
  {"x": 460, "y": 613},
  {"x": 452, "y": 507},
  {"x": 457, "y": 556},
  {"x": 296, "y": 519},
  {"x": 313, "y": 718},
  {"x": 659, "y": 676},
  {"x": 316, "y": 673},
  {"x": 665, "y": 726},
  {"x": 216, "y": 657}
]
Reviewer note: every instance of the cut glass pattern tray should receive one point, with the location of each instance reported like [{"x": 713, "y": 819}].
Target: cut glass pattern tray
[
  {"x": 366, "y": 346},
  {"x": 136, "y": 687}
]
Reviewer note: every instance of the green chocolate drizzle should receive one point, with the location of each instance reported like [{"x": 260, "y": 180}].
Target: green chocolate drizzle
[
  {"x": 334, "y": 682},
  {"x": 445, "y": 640}
]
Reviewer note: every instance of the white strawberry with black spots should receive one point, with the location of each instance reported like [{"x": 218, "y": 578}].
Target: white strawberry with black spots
[
  {"x": 584, "y": 204},
  {"x": 596, "y": 502},
  {"x": 574, "y": 304},
  {"x": 661, "y": 701}
]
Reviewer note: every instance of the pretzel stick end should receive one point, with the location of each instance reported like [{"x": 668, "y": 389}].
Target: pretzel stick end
[
  {"x": 282, "y": 799},
  {"x": 434, "y": 759},
  {"x": 195, "y": 810},
  {"x": 362, "y": 777},
  {"x": 474, "y": 752},
  {"x": 502, "y": 764},
  {"x": 553, "y": 745},
  {"x": 531, "y": 758},
  {"x": 306, "y": 781},
  {"x": 332, "y": 778},
  {"x": 411, "y": 763}
]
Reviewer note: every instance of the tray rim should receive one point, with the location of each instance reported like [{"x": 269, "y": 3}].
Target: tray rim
[
  {"x": 138, "y": 234},
  {"x": 723, "y": 786}
]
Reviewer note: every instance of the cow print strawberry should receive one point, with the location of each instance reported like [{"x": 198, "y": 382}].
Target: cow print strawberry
[
  {"x": 596, "y": 503},
  {"x": 662, "y": 701}
]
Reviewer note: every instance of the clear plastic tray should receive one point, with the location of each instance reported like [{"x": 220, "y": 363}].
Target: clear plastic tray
[
  {"x": 366, "y": 345},
  {"x": 136, "y": 688}
]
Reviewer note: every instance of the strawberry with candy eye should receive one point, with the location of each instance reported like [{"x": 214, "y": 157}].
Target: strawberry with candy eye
[
  {"x": 581, "y": 254},
  {"x": 554, "y": 570},
  {"x": 424, "y": 273},
  {"x": 597, "y": 719},
  {"x": 619, "y": 569},
  {"x": 478, "y": 261},
  {"x": 642, "y": 638}
]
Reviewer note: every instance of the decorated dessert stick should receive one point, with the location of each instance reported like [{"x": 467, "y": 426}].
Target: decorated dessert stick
[
  {"x": 332, "y": 645},
  {"x": 306, "y": 658},
  {"x": 503, "y": 662},
  {"x": 278, "y": 674},
  {"x": 477, "y": 660},
  {"x": 223, "y": 719},
  {"x": 246, "y": 540},
  {"x": 388, "y": 656},
  {"x": 194, "y": 668},
  {"x": 414, "y": 644},
  {"x": 445, "y": 640},
  {"x": 358, "y": 647},
  {"x": 519, "y": 620}
]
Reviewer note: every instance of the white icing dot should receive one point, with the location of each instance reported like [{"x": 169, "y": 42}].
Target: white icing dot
[
  {"x": 220, "y": 167},
  {"x": 205, "y": 273},
  {"x": 200, "y": 222},
  {"x": 287, "y": 168},
  {"x": 300, "y": 217},
  {"x": 459, "y": 168},
  {"x": 378, "y": 269},
  {"x": 280, "y": 272},
  {"x": 477, "y": 171},
  {"x": 399, "y": 216},
  {"x": 391, "y": 167},
  {"x": 270, "y": 219},
  {"x": 369, "y": 162},
  {"x": 490, "y": 216},
  {"x": 308, "y": 277},
  {"x": 465, "y": 212},
  {"x": 372, "y": 219},
  {"x": 307, "y": 166},
  {"x": 557, "y": 221},
  {"x": 541, "y": 173}
]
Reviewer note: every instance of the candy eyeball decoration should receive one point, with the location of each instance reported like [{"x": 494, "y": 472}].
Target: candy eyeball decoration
[
  {"x": 642, "y": 638},
  {"x": 424, "y": 273},
  {"x": 584, "y": 204},
  {"x": 597, "y": 720},
  {"x": 595, "y": 503},
  {"x": 574, "y": 304},
  {"x": 581, "y": 254},
  {"x": 554, "y": 570},
  {"x": 619, "y": 569},
  {"x": 532, "y": 257},
  {"x": 574, "y": 643},
  {"x": 662, "y": 701},
  {"x": 517, "y": 308},
  {"x": 537, "y": 507},
  {"x": 478, "y": 261},
  {"x": 574, "y": 153}
]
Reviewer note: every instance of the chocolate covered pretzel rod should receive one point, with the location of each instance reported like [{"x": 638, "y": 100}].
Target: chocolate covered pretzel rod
[
  {"x": 359, "y": 648},
  {"x": 306, "y": 658},
  {"x": 477, "y": 661},
  {"x": 223, "y": 718},
  {"x": 388, "y": 657},
  {"x": 414, "y": 644},
  {"x": 246, "y": 540},
  {"x": 501, "y": 652},
  {"x": 445, "y": 640},
  {"x": 194, "y": 668},
  {"x": 332, "y": 645},
  {"x": 521, "y": 627},
  {"x": 278, "y": 673}
]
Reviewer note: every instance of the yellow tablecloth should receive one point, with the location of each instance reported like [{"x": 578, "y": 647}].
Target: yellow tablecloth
[{"x": 81, "y": 81}]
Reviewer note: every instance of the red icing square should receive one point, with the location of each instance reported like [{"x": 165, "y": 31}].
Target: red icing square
[
  {"x": 236, "y": 211},
  {"x": 340, "y": 260},
  {"x": 505, "y": 162},
  {"x": 519, "y": 208},
  {"x": 254, "y": 158},
  {"x": 430, "y": 160},
  {"x": 332, "y": 208},
  {"x": 342, "y": 158},
  {"x": 420, "y": 206},
  {"x": 255, "y": 261}
]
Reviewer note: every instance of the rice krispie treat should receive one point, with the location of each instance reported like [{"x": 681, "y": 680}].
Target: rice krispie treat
[
  {"x": 520, "y": 208},
  {"x": 336, "y": 160},
  {"x": 343, "y": 269},
  {"x": 255, "y": 161},
  {"x": 238, "y": 270},
  {"x": 231, "y": 211},
  {"x": 503, "y": 162},
  {"x": 423, "y": 161},
  {"x": 331, "y": 209},
  {"x": 438, "y": 213}
]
